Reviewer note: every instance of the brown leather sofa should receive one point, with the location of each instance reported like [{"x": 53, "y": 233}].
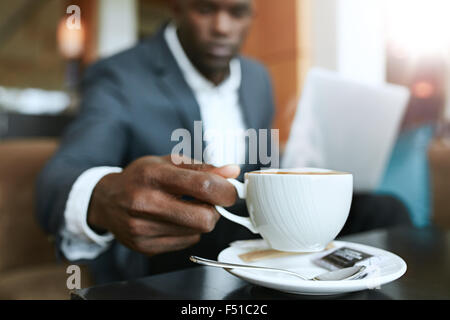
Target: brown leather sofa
[{"x": 28, "y": 265}]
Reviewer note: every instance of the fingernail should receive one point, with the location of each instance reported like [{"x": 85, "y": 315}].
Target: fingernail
[{"x": 232, "y": 169}]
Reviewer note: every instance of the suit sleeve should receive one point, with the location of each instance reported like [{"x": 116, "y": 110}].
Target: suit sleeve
[{"x": 98, "y": 137}]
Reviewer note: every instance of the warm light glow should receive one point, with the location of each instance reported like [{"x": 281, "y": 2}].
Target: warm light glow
[
  {"x": 419, "y": 27},
  {"x": 70, "y": 41},
  {"x": 423, "y": 89}
]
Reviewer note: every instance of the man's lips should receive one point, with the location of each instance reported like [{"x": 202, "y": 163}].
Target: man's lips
[{"x": 220, "y": 51}]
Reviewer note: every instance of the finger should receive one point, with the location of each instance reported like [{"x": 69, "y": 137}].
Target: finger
[
  {"x": 162, "y": 206},
  {"x": 153, "y": 246},
  {"x": 142, "y": 227},
  {"x": 204, "y": 186},
  {"x": 228, "y": 171}
]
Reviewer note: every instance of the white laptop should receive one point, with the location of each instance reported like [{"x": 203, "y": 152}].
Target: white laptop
[{"x": 345, "y": 125}]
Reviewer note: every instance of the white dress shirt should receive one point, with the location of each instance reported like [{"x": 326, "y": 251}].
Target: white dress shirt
[{"x": 223, "y": 127}]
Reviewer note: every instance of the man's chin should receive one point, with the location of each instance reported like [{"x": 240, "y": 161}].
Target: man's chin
[{"x": 218, "y": 64}]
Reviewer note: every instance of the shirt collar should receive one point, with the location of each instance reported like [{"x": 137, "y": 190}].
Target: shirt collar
[{"x": 193, "y": 77}]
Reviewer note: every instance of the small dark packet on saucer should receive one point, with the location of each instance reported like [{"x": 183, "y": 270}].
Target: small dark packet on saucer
[{"x": 341, "y": 258}]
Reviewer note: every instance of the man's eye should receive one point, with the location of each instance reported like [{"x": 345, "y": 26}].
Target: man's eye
[
  {"x": 205, "y": 8},
  {"x": 240, "y": 12}
]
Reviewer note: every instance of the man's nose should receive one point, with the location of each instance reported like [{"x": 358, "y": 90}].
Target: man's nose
[{"x": 223, "y": 23}]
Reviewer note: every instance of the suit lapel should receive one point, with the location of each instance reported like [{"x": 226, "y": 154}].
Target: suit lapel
[
  {"x": 173, "y": 84},
  {"x": 247, "y": 102},
  {"x": 183, "y": 98}
]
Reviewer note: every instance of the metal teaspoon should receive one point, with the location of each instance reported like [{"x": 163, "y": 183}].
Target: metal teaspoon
[{"x": 350, "y": 273}]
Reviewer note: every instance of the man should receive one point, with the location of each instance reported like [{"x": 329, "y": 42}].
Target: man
[
  {"x": 111, "y": 195},
  {"x": 132, "y": 103}
]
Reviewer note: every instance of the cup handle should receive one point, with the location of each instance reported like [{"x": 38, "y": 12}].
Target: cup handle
[{"x": 243, "y": 221}]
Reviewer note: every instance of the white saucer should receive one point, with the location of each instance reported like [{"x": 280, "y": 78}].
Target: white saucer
[{"x": 392, "y": 268}]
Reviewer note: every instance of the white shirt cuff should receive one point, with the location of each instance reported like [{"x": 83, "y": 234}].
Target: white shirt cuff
[{"x": 79, "y": 240}]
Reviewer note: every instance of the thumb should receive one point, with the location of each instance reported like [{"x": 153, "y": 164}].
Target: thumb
[{"x": 228, "y": 171}]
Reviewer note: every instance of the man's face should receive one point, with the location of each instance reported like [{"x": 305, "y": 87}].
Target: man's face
[{"x": 213, "y": 31}]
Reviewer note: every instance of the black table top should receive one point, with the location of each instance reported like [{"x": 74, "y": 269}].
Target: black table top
[{"x": 426, "y": 252}]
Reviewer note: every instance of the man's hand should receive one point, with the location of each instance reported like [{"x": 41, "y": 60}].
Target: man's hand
[{"x": 142, "y": 206}]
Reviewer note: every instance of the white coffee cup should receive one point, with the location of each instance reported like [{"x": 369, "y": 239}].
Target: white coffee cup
[{"x": 298, "y": 210}]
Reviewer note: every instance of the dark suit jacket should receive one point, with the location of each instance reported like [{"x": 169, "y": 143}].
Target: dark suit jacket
[{"x": 132, "y": 102}]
